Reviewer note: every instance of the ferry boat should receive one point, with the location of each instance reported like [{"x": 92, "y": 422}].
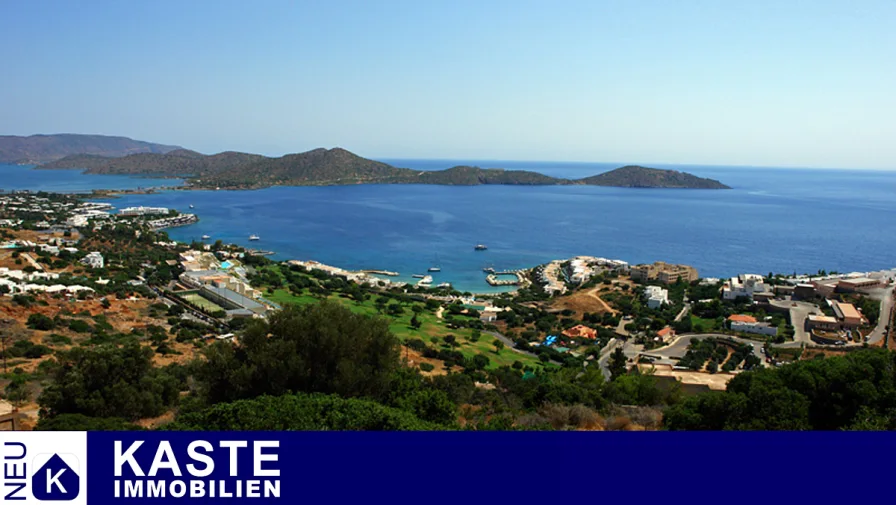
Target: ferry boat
[
  {"x": 254, "y": 237},
  {"x": 480, "y": 247},
  {"x": 206, "y": 237}
]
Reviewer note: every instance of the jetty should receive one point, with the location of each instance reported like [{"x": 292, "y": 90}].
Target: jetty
[
  {"x": 259, "y": 252},
  {"x": 381, "y": 272}
]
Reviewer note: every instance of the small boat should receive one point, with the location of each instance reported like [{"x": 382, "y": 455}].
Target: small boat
[
  {"x": 445, "y": 285},
  {"x": 418, "y": 276},
  {"x": 191, "y": 206},
  {"x": 437, "y": 266},
  {"x": 206, "y": 237},
  {"x": 480, "y": 247},
  {"x": 425, "y": 281},
  {"x": 254, "y": 237}
]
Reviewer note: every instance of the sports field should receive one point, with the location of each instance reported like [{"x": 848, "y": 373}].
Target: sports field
[{"x": 201, "y": 302}]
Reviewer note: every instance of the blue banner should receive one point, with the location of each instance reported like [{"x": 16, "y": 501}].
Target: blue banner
[{"x": 474, "y": 467}]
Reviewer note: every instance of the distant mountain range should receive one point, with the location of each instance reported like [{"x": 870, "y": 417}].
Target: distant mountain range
[
  {"x": 38, "y": 149},
  {"x": 328, "y": 167}
]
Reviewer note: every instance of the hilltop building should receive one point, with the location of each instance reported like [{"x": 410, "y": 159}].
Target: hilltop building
[
  {"x": 745, "y": 286},
  {"x": 93, "y": 260},
  {"x": 666, "y": 273},
  {"x": 656, "y": 296}
]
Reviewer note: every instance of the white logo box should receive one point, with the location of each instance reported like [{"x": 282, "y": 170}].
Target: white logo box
[{"x": 18, "y": 471}]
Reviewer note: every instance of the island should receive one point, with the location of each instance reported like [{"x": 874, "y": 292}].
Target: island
[{"x": 337, "y": 166}]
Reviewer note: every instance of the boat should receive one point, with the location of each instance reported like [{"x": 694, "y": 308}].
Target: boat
[
  {"x": 254, "y": 237},
  {"x": 425, "y": 281},
  {"x": 480, "y": 247},
  {"x": 206, "y": 237},
  {"x": 191, "y": 206},
  {"x": 418, "y": 276},
  {"x": 445, "y": 285},
  {"x": 436, "y": 265}
]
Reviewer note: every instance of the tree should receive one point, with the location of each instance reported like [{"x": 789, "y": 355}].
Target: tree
[
  {"x": 415, "y": 323},
  {"x": 451, "y": 340},
  {"x": 307, "y": 412},
  {"x": 499, "y": 345},
  {"x": 17, "y": 389},
  {"x": 616, "y": 364},
  {"x": 109, "y": 381},
  {"x": 316, "y": 348}
]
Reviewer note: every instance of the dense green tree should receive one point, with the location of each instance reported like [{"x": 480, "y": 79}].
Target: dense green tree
[
  {"x": 108, "y": 381},
  {"x": 322, "y": 348},
  {"x": 846, "y": 392},
  {"x": 616, "y": 363},
  {"x": 302, "y": 412}
]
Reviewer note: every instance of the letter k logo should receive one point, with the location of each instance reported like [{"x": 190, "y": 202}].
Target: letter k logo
[{"x": 55, "y": 479}]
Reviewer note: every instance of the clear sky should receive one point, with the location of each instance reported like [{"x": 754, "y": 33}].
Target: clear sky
[{"x": 781, "y": 83}]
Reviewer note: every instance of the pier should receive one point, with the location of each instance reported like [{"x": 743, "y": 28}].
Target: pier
[
  {"x": 381, "y": 272},
  {"x": 259, "y": 252}
]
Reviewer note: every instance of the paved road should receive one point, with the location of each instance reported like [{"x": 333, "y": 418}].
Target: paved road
[
  {"x": 799, "y": 311},
  {"x": 604, "y": 358},
  {"x": 886, "y": 306},
  {"x": 510, "y": 344},
  {"x": 684, "y": 310},
  {"x": 677, "y": 349},
  {"x": 620, "y": 328}
]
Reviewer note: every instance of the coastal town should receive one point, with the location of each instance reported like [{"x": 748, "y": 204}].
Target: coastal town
[{"x": 77, "y": 272}]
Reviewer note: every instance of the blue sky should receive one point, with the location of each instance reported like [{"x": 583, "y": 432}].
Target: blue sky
[{"x": 780, "y": 83}]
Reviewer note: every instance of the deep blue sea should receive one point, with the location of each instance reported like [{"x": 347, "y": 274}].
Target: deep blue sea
[{"x": 781, "y": 220}]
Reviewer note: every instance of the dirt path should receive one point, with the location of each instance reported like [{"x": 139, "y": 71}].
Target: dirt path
[
  {"x": 439, "y": 312},
  {"x": 593, "y": 294}
]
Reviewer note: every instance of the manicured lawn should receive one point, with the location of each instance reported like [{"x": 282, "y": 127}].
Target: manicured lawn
[{"x": 708, "y": 325}]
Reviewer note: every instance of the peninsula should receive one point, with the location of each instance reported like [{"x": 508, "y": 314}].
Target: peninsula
[
  {"x": 332, "y": 167},
  {"x": 37, "y": 149}
]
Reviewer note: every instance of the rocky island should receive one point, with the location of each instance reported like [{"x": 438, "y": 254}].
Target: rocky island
[{"x": 329, "y": 167}]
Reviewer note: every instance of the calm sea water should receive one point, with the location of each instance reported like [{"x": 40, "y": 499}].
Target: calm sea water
[
  {"x": 780, "y": 220},
  {"x": 20, "y": 177}
]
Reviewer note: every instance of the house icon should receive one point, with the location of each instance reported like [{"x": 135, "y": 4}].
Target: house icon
[{"x": 56, "y": 479}]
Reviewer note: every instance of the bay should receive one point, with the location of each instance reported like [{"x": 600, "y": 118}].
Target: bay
[{"x": 781, "y": 220}]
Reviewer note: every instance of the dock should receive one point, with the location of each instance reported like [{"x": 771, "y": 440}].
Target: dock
[
  {"x": 259, "y": 252},
  {"x": 381, "y": 272}
]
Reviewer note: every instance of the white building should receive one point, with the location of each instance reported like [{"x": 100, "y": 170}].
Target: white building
[
  {"x": 142, "y": 211},
  {"x": 744, "y": 286},
  {"x": 93, "y": 260},
  {"x": 758, "y": 328},
  {"x": 656, "y": 296}
]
